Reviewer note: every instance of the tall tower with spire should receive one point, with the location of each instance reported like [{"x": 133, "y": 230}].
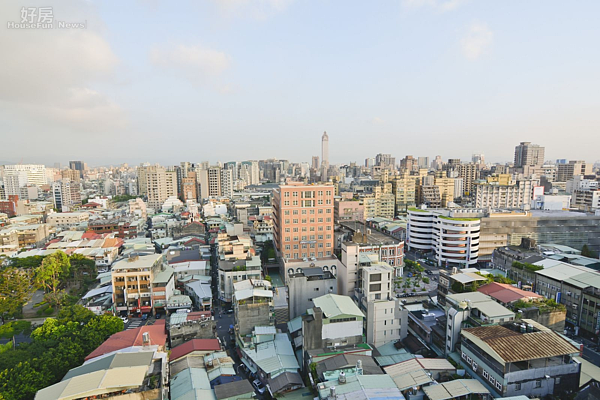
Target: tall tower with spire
[
  {"x": 325, "y": 150},
  {"x": 324, "y": 156}
]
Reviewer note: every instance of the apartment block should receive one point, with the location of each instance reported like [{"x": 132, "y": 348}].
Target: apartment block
[
  {"x": 303, "y": 216},
  {"x": 564, "y": 172},
  {"x": 157, "y": 184},
  {"x": 404, "y": 190},
  {"x": 67, "y": 220},
  {"x": 510, "y": 195},
  {"x": 385, "y": 319},
  {"x": 133, "y": 281}
]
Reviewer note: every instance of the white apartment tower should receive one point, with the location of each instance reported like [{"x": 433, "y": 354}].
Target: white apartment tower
[{"x": 17, "y": 176}]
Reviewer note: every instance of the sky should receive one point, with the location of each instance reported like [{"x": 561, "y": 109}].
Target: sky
[{"x": 223, "y": 80}]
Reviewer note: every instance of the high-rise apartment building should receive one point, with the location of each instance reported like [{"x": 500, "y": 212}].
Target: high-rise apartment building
[
  {"x": 17, "y": 176},
  {"x": 66, "y": 195},
  {"x": 385, "y": 161},
  {"x": 408, "y": 164},
  {"x": 189, "y": 187},
  {"x": 404, "y": 188},
  {"x": 157, "y": 184},
  {"x": 423, "y": 162},
  {"x": 478, "y": 158},
  {"x": 381, "y": 203},
  {"x": 564, "y": 172},
  {"x": 78, "y": 166},
  {"x": 227, "y": 183},
  {"x": 527, "y": 155},
  {"x": 315, "y": 162},
  {"x": 303, "y": 216},
  {"x": 446, "y": 188},
  {"x": 216, "y": 182},
  {"x": 468, "y": 173},
  {"x": 504, "y": 194}
]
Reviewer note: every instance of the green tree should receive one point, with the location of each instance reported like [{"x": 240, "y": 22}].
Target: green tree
[
  {"x": 27, "y": 262},
  {"x": 51, "y": 274},
  {"x": 268, "y": 278},
  {"x": 15, "y": 288},
  {"x": 75, "y": 313},
  {"x": 586, "y": 252}
]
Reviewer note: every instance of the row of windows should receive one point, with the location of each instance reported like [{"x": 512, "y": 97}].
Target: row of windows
[
  {"x": 307, "y": 203},
  {"x": 311, "y": 237},
  {"x": 336, "y": 320},
  {"x": 308, "y": 194},
  {"x": 306, "y": 246},
  {"x": 304, "y": 220},
  {"x": 304, "y": 255}
]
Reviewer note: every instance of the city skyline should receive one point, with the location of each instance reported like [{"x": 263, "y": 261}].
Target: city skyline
[{"x": 406, "y": 77}]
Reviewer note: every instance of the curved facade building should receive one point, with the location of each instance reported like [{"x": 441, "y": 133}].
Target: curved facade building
[
  {"x": 454, "y": 240},
  {"x": 457, "y": 240},
  {"x": 419, "y": 230}
]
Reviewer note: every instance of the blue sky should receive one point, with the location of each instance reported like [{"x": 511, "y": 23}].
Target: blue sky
[{"x": 239, "y": 79}]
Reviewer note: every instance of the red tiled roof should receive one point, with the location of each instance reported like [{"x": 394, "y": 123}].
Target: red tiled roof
[
  {"x": 194, "y": 345},
  {"x": 112, "y": 242},
  {"x": 91, "y": 235},
  {"x": 506, "y": 293},
  {"x": 132, "y": 337}
]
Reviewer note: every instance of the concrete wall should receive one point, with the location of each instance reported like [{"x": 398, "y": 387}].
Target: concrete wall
[
  {"x": 301, "y": 291},
  {"x": 249, "y": 316},
  {"x": 341, "y": 330},
  {"x": 188, "y": 331},
  {"x": 568, "y": 374},
  {"x": 553, "y": 320},
  {"x": 312, "y": 327}
]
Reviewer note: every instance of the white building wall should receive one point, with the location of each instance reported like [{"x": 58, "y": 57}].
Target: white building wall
[{"x": 340, "y": 330}]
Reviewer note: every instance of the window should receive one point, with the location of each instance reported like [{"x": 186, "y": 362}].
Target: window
[
  {"x": 498, "y": 385},
  {"x": 538, "y": 383},
  {"x": 518, "y": 386},
  {"x": 316, "y": 289},
  {"x": 485, "y": 374},
  {"x": 557, "y": 380}
]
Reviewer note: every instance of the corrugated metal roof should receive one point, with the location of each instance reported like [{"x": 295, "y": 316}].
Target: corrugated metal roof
[
  {"x": 116, "y": 360},
  {"x": 295, "y": 324},
  {"x": 265, "y": 330},
  {"x": 334, "y": 305},
  {"x": 454, "y": 389},
  {"x": 188, "y": 381},
  {"x": 95, "y": 383},
  {"x": 512, "y": 346}
]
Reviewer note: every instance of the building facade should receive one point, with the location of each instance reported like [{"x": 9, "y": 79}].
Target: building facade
[{"x": 303, "y": 217}]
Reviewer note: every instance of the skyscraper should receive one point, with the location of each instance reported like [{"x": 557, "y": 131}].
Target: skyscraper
[
  {"x": 77, "y": 166},
  {"x": 325, "y": 151},
  {"x": 527, "y": 154}
]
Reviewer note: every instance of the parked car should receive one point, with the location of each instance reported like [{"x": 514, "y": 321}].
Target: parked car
[
  {"x": 144, "y": 317},
  {"x": 230, "y": 311},
  {"x": 258, "y": 386},
  {"x": 125, "y": 320}
]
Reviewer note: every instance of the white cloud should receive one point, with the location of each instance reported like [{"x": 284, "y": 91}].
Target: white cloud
[
  {"x": 477, "y": 41},
  {"x": 199, "y": 64},
  {"x": 439, "y": 5},
  {"x": 45, "y": 75}
]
